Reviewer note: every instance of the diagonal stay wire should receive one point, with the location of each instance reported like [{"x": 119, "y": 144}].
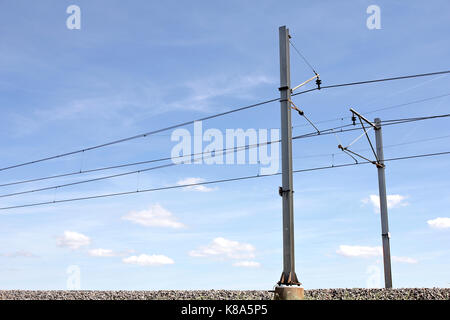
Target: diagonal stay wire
[
  {"x": 215, "y": 181},
  {"x": 347, "y": 152},
  {"x": 355, "y": 140},
  {"x": 302, "y": 56},
  {"x": 358, "y": 155},
  {"x": 310, "y": 122},
  {"x": 302, "y": 114},
  {"x": 368, "y": 139}
]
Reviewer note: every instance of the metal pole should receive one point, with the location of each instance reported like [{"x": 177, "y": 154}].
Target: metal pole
[
  {"x": 385, "y": 235},
  {"x": 288, "y": 277}
]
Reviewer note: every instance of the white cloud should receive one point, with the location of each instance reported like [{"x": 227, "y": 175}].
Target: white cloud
[
  {"x": 73, "y": 240},
  {"x": 155, "y": 216},
  {"x": 247, "y": 264},
  {"x": 102, "y": 253},
  {"x": 369, "y": 252},
  {"x": 148, "y": 260},
  {"x": 108, "y": 253},
  {"x": 439, "y": 223},
  {"x": 359, "y": 251},
  {"x": 404, "y": 260},
  {"x": 17, "y": 254},
  {"x": 225, "y": 249},
  {"x": 393, "y": 201},
  {"x": 200, "y": 188}
]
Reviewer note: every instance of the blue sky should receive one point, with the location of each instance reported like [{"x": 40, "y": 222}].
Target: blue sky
[{"x": 144, "y": 65}]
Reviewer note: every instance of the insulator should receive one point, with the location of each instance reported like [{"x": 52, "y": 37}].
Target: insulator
[{"x": 318, "y": 82}]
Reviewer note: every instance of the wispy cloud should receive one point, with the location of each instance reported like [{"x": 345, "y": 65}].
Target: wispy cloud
[
  {"x": 359, "y": 251},
  {"x": 155, "y": 216},
  {"x": 148, "y": 260},
  {"x": 73, "y": 240},
  {"x": 439, "y": 223},
  {"x": 222, "y": 248},
  {"x": 109, "y": 102},
  {"x": 202, "y": 92},
  {"x": 200, "y": 188},
  {"x": 393, "y": 201},
  {"x": 102, "y": 253},
  {"x": 405, "y": 260},
  {"x": 247, "y": 264}
]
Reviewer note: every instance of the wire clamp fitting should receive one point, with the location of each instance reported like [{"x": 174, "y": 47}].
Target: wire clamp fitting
[
  {"x": 281, "y": 191},
  {"x": 379, "y": 165},
  {"x": 300, "y": 112}
]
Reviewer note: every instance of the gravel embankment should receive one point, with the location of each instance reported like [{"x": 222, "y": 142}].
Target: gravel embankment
[{"x": 318, "y": 294}]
